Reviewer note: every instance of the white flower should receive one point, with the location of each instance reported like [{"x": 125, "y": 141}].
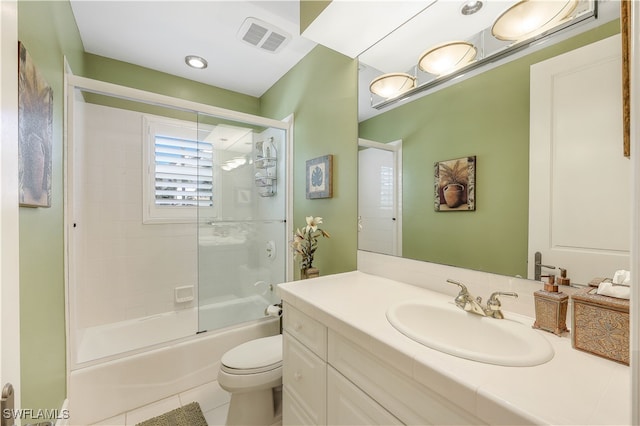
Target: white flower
[
  {"x": 305, "y": 241},
  {"x": 312, "y": 223}
]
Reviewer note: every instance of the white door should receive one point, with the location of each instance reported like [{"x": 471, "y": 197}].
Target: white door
[
  {"x": 579, "y": 180},
  {"x": 379, "y": 222},
  {"x": 9, "y": 290}
]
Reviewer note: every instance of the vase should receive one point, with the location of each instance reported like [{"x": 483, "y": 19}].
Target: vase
[
  {"x": 309, "y": 273},
  {"x": 453, "y": 194}
]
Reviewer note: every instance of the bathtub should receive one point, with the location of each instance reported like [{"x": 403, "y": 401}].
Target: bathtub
[
  {"x": 110, "y": 386},
  {"x": 110, "y": 341}
]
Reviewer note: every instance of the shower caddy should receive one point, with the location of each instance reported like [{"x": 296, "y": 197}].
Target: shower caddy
[{"x": 265, "y": 164}]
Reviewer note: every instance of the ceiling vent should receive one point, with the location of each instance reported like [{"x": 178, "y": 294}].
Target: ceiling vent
[{"x": 262, "y": 35}]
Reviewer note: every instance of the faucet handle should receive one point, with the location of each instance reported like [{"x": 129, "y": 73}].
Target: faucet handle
[
  {"x": 494, "y": 303},
  {"x": 462, "y": 297},
  {"x": 462, "y": 286}
]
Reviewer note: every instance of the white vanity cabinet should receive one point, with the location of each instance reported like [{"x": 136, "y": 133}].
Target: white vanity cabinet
[
  {"x": 327, "y": 379},
  {"x": 304, "y": 371},
  {"x": 344, "y": 363},
  {"x": 348, "y": 405}
]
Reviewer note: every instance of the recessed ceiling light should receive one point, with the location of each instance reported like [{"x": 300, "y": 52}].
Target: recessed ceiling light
[
  {"x": 196, "y": 62},
  {"x": 471, "y": 7}
]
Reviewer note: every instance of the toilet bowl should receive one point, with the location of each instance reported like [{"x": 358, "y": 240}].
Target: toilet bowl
[{"x": 252, "y": 373}]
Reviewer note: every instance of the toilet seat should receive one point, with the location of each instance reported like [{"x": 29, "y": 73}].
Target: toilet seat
[{"x": 253, "y": 357}]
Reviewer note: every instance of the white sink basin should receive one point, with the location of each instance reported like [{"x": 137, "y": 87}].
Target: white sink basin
[{"x": 449, "y": 329}]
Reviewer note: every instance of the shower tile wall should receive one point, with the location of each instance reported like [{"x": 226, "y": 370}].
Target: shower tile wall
[{"x": 123, "y": 269}]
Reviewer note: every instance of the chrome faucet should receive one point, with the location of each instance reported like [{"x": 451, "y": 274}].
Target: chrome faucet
[{"x": 465, "y": 301}]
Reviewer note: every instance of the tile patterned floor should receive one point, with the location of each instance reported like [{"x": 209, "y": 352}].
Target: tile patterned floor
[{"x": 213, "y": 400}]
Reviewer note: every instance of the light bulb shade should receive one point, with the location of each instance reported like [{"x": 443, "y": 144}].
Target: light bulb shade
[
  {"x": 529, "y": 18},
  {"x": 447, "y": 57},
  {"x": 392, "y": 84}
]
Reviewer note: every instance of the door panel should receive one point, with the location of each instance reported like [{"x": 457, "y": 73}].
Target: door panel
[
  {"x": 580, "y": 196},
  {"x": 377, "y": 201}
]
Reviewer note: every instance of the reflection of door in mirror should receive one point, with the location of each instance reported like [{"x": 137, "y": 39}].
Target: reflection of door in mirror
[
  {"x": 580, "y": 196},
  {"x": 379, "y": 218}
]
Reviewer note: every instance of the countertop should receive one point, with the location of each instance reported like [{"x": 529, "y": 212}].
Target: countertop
[{"x": 574, "y": 388}]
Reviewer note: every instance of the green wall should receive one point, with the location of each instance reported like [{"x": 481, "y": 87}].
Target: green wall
[
  {"x": 49, "y": 32},
  {"x": 486, "y": 116},
  {"x": 321, "y": 92},
  {"x": 310, "y": 10},
  {"x": 126, "y": 74}
]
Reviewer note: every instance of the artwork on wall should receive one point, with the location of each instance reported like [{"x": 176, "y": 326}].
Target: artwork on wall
[
  {"x": 35, "y": 133},
  {"x": 455, "y": 183},
  {"x": 319, "y": 177}
]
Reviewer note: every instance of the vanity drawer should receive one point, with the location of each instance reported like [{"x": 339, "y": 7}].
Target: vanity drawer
[
  {"x": 307, "y": 330},
  {"x": 304, "y": 378}
]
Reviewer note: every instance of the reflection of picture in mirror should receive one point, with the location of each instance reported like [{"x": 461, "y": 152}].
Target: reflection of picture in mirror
[
  {"x": 35, "y": 121},
  {"x": 455, "y": 184}
]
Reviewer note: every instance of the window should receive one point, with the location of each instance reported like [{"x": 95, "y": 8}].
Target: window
[
  {"x": 386, "y": 187},
  {"x": 179, "y": 172}
]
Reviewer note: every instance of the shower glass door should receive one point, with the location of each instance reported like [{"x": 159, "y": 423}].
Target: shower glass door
[
  {"x": 129, "y": 252},
  {"x": 242, "y": 242}
]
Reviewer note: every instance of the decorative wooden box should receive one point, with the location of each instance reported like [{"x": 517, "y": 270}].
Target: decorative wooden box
[
  {"x": 551, "y": 311},
  {"x": 601, "y": 325}
]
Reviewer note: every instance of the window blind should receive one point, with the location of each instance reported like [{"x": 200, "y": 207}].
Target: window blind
[{"x": 183, "y": 172}]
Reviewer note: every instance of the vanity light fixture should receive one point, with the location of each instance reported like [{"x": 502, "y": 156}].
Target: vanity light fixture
[
  {"x": 392, "y": 84},
  {"x": 529, "y": 18},
  {"x": 448, "y": 57},
  {"x": 521, "y": 26},
  {"x": 196, "y": 62}
]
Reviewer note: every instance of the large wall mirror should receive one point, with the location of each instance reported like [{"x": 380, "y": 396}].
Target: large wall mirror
[{"x": 489, "y": 116}]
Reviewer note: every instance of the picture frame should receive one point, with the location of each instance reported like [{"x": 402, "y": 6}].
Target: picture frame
[
  {"x": 319, "y": 172},
  {"x": 35, "y": 133},
  {"x": 455, "y": 184},
  {"x": 625, "y": 31}
]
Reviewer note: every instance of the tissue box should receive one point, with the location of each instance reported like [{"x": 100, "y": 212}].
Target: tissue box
[{"x": 601, "y": 325}]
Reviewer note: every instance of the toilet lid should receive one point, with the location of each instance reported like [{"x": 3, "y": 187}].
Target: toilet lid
[{"x": 255, "y": 354}]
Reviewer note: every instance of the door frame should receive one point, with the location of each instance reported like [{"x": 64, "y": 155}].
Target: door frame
[
  {"x": 9, "y": 219},
  {"x": 396, "y": 148}
]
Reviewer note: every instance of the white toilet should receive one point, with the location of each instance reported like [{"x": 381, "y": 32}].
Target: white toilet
[{"x": 252, "y": 373}]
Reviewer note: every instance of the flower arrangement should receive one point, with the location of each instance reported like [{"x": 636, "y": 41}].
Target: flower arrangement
[{"x": 305, "y": 241}]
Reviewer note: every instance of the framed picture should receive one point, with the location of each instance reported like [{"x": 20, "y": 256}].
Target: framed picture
[
  {"x": 455, "y": 184},
  {"x": 319, "y": 177},
  {"x": 35, "y": 133},
  {"x": 625, "y": 30}
]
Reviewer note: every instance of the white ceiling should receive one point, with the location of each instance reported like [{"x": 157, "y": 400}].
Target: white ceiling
[
  {"x": 159, "y": 34},
  {"x": 387, "y": 35}
]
